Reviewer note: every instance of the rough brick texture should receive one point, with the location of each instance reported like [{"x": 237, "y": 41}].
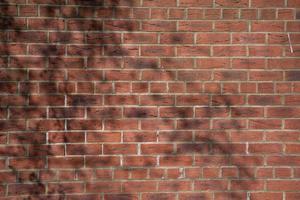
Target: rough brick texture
[{"x": 150, "y": 99}]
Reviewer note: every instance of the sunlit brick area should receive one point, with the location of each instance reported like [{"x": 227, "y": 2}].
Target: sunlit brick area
[{"x": 150, "y": 99}]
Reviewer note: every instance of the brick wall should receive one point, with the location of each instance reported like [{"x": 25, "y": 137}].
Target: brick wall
[{"x": 149, "y": 99}]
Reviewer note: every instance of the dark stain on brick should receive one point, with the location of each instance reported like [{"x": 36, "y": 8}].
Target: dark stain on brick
[{"x": 292, "y": 76}]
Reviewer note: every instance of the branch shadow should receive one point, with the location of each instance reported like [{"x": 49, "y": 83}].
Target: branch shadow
[{"x": 46, "y": 89}]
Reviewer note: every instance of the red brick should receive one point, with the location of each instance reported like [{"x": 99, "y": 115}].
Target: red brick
[
  {"x": 282, "y": 185},
  {"x": 108, "y": 112},
  {"x": 257, "y": 26},
  {"x": 27, "y": 163},
  {"x": 77, "y": 25},
  {"x": 66, "y": 137},
  {"x": 292, "y": 148},
  {"x": 46, "y": 125},
  {"x": 211, "y": 112},
  {"x": 144, "y": 112},
  {"x": 183, "y": 112},
  {"x": 96, "y": 187},
  {"x": 283, "y": 173},
  {"x": 193, "y": 51},
  {"x": 192, "y": 124},
  {"x": 195, "y": 26},
  {"x": 193, "y": 75},
  {"x": 264, "y": 100},
  {"x": 230, "y": 75},
  {"x": 158, "y": 87},
  {"x": 252, "y": 185},
  {"x": 119, "y": 149},
  {"x": 265, "y": 124},
  {"x": 162, "y": 100},
  {"x": 201, "y": 195},
  {"x": 262, "y": 51},
  {"x": 28, "y": 37},
  {"x": 121, "y": 75},
  {"x": 174, "y": 186},
  {"x": 157, "y": 3},
  {"x": 157, "y": 51},
  {"x": 19, "y": 113},
  {"x": 228, "y": 100},
  {"x": 192, "y": 148},
  {"x": 293, "y": 3},
  {"x": 283, "y": 112},
  {"x": 176, "y": 13},
  {"x": 211, "y": 185},
  {"x": 265, "y": 148},
  {"x": 84, "y": 124},
  {"x": 66, "y": 37},
  {"x": 234, "y": 26},
  {"x": 212, "y": 14},
  {"x": 138, "y": 186},
  {"x": 141, "y": 161},
  {"x": 230, "y": 14},
  {"x": 268, "y": 14},
  {"x": 265, "y": 87},
  {"x": 103, "y": 62},
  {"x": 140, "y": 136},
  {"x": 213, "y": 88},
  {"x": 47, "y": 50},
  {"x": 122, "y": 25},
  {"x": 84, "y": 50},
  {"x": 71, "y": 112},
  {"x": 121, "y": 196},
  {"x": 225, "y": 3},
  {"x": 157, "y": 148},
  {"x": 88, "y": 100},
  {"x": 163, "y": 124},
  {"x": 26, "y": 189},
  {"x": 102, "y": 161},
  {"x": 104, "y": 137},
  {"x": 166, "y": 196},
  {"x": 140, "y": 38},
  {"x": 140, "y": 87},
  {"x": 292, "y": 195},
  {"x": 12, "y": 151},
  {"x": 175, "y": 161},
  {"x": 247, "y": 112},
  {"x": 122, "y": 174},
  {"x": 48, "y": 24},
  {"x": 121, "y": 124},
  {"x": 266, "y": 196},
  {"x": 83, "y": 149},
  {"x": 196, "y": 3},
  {"x": 229, "y": 51},
  {"x": 140, "y": 63},
  {"x": 192, "y": 100},
  {"x": 247, "y": 161},
  {"x": 120, "y": 51},
  {"x": 46, "y": 150},
  {"x": 177, "y": 38},
  {"x": 158, "y": 26},
  {"x": 103, "y": 38},
  {"x": 158, "y": 75},
  {"x": 283, "y": 160}
]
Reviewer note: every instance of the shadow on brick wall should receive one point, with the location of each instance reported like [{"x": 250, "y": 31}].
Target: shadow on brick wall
[{"x": 36, "y": 75}]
